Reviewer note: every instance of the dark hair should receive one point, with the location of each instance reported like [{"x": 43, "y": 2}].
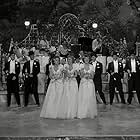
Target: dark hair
[
  {"x": 55, "y": 58},
  {"x": 72, "y": 57},
  {"x": 86, "y": 55},
  {"x": 10, "y": 53},
  {"x": 31, "y": 53},
  {"x": 132, "y": 52},
  {"x": 64, "y": 58},
  {"x": 93, "y": 54},
  {"x": 42, "y": 50},
  {"x": 116, "y": 53}
]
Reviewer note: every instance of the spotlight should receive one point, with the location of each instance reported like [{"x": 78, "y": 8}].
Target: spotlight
[
  {"x": 94, "y": 25},
  {"x": 27, "y": 23}
]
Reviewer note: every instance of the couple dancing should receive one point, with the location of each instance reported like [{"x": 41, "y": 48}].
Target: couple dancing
[{"x": 63, "y": 99}]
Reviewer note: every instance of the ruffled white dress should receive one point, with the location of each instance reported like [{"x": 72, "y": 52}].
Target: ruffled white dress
[
  {"x": 52, "y": 103},
  {"x": 70, "y": 96},
  {"x": 87, "y": 106}
]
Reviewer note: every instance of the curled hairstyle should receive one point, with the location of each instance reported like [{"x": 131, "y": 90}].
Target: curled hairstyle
[
  {"x": 54, "y": 59},
  {"x": 86, "y": 55},
  {"x": 70, "y": 56}
]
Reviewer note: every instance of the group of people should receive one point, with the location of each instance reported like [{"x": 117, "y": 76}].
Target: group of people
[
  {"x": 72, "y": 85},
  {"x": 64, "y": 99},
  {"x": 30, "y": 72}
]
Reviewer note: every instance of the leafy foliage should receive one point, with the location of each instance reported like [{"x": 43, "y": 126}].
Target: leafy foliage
[{"x": 104, "y": 12}]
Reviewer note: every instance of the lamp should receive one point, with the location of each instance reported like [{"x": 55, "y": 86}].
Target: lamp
[
  {"x": 27, "y": 23},
  {"x": 94, "y": 25}
]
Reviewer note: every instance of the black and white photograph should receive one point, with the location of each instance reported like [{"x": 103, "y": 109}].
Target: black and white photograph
[{"x": 69, "y": 69}]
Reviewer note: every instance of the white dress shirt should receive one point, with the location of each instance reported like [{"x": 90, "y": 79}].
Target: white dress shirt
[
  {"x": 94, "y": 65},
  {"x": 81, "y": 61},
  {"x": 12, "y": 66},
  {"x": 133, "y": 65},
  {"x": 115, "y": 66},
  {"x": 43, "y": 60},
  {"x": 31, "y": 66}
]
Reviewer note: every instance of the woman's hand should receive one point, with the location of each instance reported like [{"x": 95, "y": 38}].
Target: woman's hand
[
  {"x": 86, "y": 75},
  {"x": 52, "y": 77},
  {"x": 57, "y": 76},
  {"x": 73, "y": 75},
  {"x": 91, "y": 75},
  {"x": 70, "y": 75},
  {"x": 81, "y": 73}
]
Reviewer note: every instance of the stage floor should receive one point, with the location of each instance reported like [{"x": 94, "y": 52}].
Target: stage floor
[{"x": 121, "y": 120}]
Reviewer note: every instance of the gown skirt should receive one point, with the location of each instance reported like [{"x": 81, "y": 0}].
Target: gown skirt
[
  {"x": 69, "y": 102},
  {"x": 87, "y": 106},
  {"x": 52, "y": 103}
]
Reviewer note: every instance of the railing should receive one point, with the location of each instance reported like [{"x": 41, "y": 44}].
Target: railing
[{"x": 31, "y": 38}]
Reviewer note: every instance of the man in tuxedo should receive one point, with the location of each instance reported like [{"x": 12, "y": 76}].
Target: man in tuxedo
[
  {"x": 12, "y": 70},
  {"x": 115, "y": 69},
  {"x": 30, "y": 71},
  {"x": 98, "y": 68},
  {"x": 133, "y": 69}
]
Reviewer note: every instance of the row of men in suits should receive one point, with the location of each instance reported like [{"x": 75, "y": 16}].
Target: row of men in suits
[
  {"x": 30, "y": 71},
  {"x": 116, "y": 71}
]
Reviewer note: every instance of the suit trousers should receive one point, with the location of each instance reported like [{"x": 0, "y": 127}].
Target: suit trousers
[
  {"x": 115, "y": 81},
  {"x": 98, "y": 87},
  {"x": 133, "y": 85},
  {"x": 31, "y": 87},
  {"x": 12, "y": 87}
]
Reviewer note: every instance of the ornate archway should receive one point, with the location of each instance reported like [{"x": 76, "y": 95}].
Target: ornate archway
[{"x": 69, "y": 28}]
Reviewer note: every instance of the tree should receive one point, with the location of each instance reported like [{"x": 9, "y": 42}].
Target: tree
[{"x": 8, "y": 9}]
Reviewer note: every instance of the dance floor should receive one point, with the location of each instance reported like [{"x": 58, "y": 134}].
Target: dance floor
[{"x": 121, "y": 120}]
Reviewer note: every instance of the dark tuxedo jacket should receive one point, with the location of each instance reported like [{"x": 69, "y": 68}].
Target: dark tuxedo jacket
[
  {"x": 12, "y": 86},
  {"x": 120, "y": 68},
  {"x": 47, "y": 68},
  {"x": 128, "y": 66},
  {"x": 17, "y": 68},
  {"x": 137, "y": 77},
  {"x": 36, "y": 68},
  {"x": 98, "y": 72}
]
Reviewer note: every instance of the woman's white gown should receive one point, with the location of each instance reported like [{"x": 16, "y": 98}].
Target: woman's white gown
[
  {"x": 52, "y": 103},
  {"x": 70, "y": 95},
  {"x": 87, "y": 106}
]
